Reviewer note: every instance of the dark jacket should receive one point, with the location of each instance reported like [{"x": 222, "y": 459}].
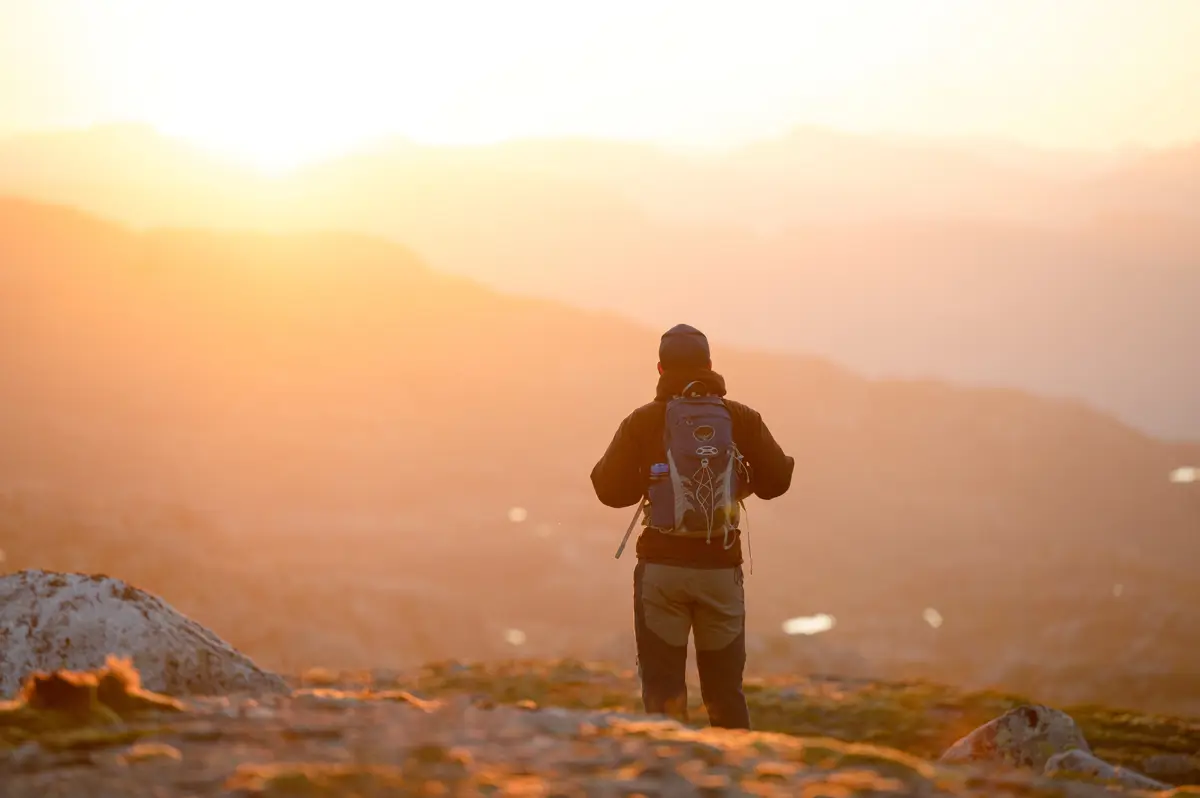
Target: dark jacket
[{"x": 621, "y": 476}]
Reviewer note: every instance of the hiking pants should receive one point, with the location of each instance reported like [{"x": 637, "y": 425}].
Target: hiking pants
[{"x": 671, "y": 601}]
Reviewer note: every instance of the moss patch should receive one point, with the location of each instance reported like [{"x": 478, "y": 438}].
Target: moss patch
[{"x": 70, "y": 709}]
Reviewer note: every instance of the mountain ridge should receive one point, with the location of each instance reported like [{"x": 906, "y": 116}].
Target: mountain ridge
[{"x": 1085, "y": 291}]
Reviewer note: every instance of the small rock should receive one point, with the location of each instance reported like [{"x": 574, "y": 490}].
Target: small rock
[
  {"x": 385, "y": 677},
  {"x": 439, "y": 762},
  {"x": 556, "y": 721},
  {"x": 323, "y": 698},
  {"x": 774, "y": 771},
  {"x": 645, "y": 787},
  {"x": 318, "y": 677},
  {"x": 1172, "y": 766},
  {"x": 707, "y": 753},
  {"x": 24, "y": 755},
  {"x": 432, "y": 753},
  {"x": 1027, "y": 736},
  {"x": 205, "y": 733},
  {"x": 451, "y": 668},
  {"x": 143, "y": 752},
  {"x": 32, "y": 757},
  {"x": 405, "y": 697},
  {"x": 1082, "y": 763},
  {"x": 713, "y": 785},
  {"x": 258, "y": 713}
]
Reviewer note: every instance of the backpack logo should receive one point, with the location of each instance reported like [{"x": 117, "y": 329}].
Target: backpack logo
[{"x": 704, "y": 433}]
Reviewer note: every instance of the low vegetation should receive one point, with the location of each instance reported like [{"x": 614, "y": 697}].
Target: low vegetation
[{"x": 916, "y": 717}]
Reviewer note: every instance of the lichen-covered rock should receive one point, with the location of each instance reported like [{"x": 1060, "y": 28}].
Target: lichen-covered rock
[
  {"x": 1027, "y": 736},
  {"x": 1081, "y": 763},
  {"x": 51, "y": 621}
]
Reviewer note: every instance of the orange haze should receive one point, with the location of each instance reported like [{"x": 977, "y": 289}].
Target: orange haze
[{"x": 334, "y": 435}]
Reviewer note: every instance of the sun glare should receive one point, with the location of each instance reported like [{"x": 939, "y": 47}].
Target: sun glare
[
  {"x": 278, "y": 84},
  {"x": 271, "y": 150}
]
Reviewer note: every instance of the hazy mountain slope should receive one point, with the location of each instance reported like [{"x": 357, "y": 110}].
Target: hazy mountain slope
[
  {"x": 898, "y": 259},
  {"x": 1164, "y": 182},
  {"x": 361, "y": 425},
  {"x": 809, "y": 174}
]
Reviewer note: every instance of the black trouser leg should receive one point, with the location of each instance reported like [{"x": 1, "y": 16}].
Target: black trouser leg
[
  {"x": 721, "y": 684},
  {"x": 720, "y": 621},
  {"x": 662, "y": 666}
]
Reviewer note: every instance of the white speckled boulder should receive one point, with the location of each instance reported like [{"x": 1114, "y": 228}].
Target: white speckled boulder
[
  {"x": 52, "y": 620},
  {"x": 1026, "y": 737}
]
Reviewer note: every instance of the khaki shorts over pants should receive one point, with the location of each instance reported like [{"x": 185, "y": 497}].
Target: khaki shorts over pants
[{"x": 673, "y": 603}]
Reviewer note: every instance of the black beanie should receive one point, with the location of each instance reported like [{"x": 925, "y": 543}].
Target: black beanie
[{"x": 683, "y": 346}]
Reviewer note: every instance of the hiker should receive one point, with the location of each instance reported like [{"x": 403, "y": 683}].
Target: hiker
[{"x": 688, "y": 459}]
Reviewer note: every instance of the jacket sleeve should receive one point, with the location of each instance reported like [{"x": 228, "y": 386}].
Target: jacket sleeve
[
  {"x": 617, "y": 477},
  {"x": 770, "y": 469}
]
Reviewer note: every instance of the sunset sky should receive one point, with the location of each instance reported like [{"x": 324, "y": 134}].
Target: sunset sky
[{"x": 279, "y": 83}]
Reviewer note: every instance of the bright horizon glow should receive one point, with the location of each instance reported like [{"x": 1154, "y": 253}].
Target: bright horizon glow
[{"x": 277, "y": 84}]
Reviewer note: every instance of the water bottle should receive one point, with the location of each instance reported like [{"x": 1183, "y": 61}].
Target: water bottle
[{"x": 661, "y": 513}]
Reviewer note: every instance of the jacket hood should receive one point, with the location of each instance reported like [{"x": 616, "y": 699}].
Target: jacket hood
[{"x": 671, "y": 382}]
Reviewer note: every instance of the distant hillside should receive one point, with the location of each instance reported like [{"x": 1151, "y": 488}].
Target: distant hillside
[
  {"x": 1166, "y": 182},
  {"x": 355, "y": 428},
  {"x": 1066, "y": 276}
]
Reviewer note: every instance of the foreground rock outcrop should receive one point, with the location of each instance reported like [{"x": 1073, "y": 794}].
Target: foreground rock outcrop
[
  {"x": 52, "y": 621},
  {"x": 1048, "y": 741},
  {"x": 1026, "y": 737}
]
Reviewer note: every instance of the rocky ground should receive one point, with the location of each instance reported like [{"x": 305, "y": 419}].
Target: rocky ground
[
  {"x": 117, "y": 693},
  {"x": 544, "y": 728}
]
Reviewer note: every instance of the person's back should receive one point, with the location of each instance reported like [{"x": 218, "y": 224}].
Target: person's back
[{"x": 688, "y": 580}]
